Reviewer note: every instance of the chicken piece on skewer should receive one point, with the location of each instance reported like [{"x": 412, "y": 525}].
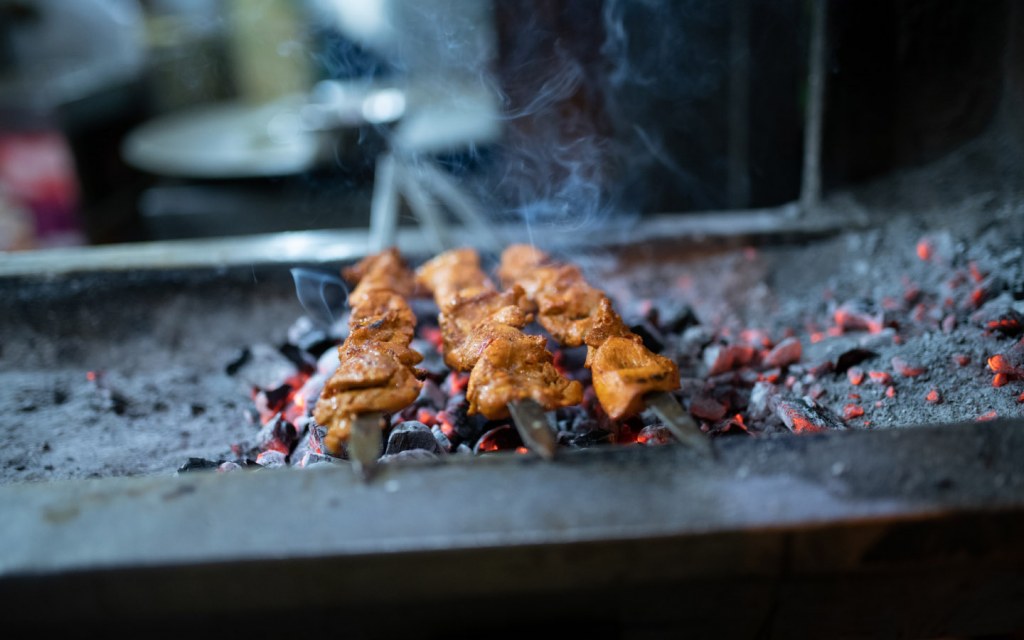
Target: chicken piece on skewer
[
  {"x": 627, "y": 376},
  {"x": 510, "y": 372},
  {"x": 376, "y": 372}
]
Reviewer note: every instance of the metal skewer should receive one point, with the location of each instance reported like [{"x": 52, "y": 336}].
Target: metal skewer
[
  {"x": 679, "y": 422},
  {"x": 533, "y": 426},
  {"x": 364, "y": 443}
]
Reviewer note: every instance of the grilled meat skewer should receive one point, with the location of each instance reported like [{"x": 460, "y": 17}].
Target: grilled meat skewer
[
  {"x": 511, "y": 373},
  {"x": 376, "y": 374},
  {"x": 627, "y": 376}
]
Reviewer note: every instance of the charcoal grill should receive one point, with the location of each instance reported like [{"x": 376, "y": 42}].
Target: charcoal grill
[
  {"x": 911, "y": 532},
  {"x": 897, "y": 531}
]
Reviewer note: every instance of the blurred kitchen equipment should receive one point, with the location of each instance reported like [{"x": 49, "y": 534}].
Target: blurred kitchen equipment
[
  {"x": 417, "y": 89},
  {"x": 444, "y": 49},
  {"x": 290, "y": 135}
]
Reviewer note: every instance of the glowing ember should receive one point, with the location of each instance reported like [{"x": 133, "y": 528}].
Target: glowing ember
[
  {"x": 736, "y": 379},
  {"x": 655, "y": 435},
  {"x": 801, "y": 416},
  {"x": 924, "y": 250},
  {"x": 785, "y": 353},
  {"x": 906, "y": 369},
  {"x": 722, "y": 358},
  {"x": 880, "y": 377},
  {"x": 853, "y": 316},
  {"x": 855, "y": 375}
]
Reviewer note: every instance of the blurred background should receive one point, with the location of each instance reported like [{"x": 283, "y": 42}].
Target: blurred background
[{"x": 139, "y": 120}]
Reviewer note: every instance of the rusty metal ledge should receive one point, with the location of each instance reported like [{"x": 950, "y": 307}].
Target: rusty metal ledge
[{"x": 915, "y": 507}]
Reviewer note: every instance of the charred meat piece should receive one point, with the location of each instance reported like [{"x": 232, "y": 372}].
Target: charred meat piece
[
  {"x": 625, "y": 371},
  {"x": 575, "y": 313},
  {"x": 375, "y": 372},
  {"x": 469, "y": 324},
  {"x": 516, "y": 368},
  {"x": 481, "y": 332},
  {"x": 452, "y": 274}
]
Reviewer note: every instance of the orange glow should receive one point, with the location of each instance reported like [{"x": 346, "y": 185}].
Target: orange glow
[
  {"x": 1000, "y": 379},
  {"x": 989, "y": 415},
  {"x": 458, "y": 382},
  {"x": 433, "y": 336},
  {"x": 976, "y": 273},
  {"x": 933, "y": 397},
  {"x": 855, "y": 375},
  {"x": 999, "y": 364},
  {"x": 854, "y": 321},
  {"x": 852, "y": 411},
  {"x": 1020, "y": 398},
  {"x": 880, "y": 377},
  {"x": 803, "y": 425},
  {"x": 521, "y": 450},
  {"x": 91, "y": 376},
  {"x": 487, "y": 446},
  {"x": 890, "y": 392},
  {"x": 447, "y": 428},
  {"x": 1006, "y": 325},
  {"x": 904, "y": 368},
  {"x": 924, "y": 250},
  {"x": 977, "y": 296},
  {"x": 817, "y": 336}
]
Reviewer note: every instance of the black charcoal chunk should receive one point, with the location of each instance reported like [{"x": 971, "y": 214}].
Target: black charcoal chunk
[
  {"x": 412, "y": 435},
  {"x": 410, "y": 455},
  {"x": 442, "y": 440},
  {"x": 199, "y": 464},
  {"x": 277, "y": 433},
  {"x": 652, "y": 338}
]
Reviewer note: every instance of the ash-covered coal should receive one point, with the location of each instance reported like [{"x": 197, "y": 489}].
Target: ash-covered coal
[{"x": 913, "y": 318}]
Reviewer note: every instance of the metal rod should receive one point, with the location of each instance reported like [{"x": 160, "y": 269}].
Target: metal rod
[
  {"x": 384, "y": 206},
  {"x": 364, "y": 444},
  {"x": 810, "y": 186},
  {"x": 679, "y": 422},
  {"x": 532, "y": 424},
  {"x": 424, "y": 207},
  {"x": 460, "y": 204}
]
